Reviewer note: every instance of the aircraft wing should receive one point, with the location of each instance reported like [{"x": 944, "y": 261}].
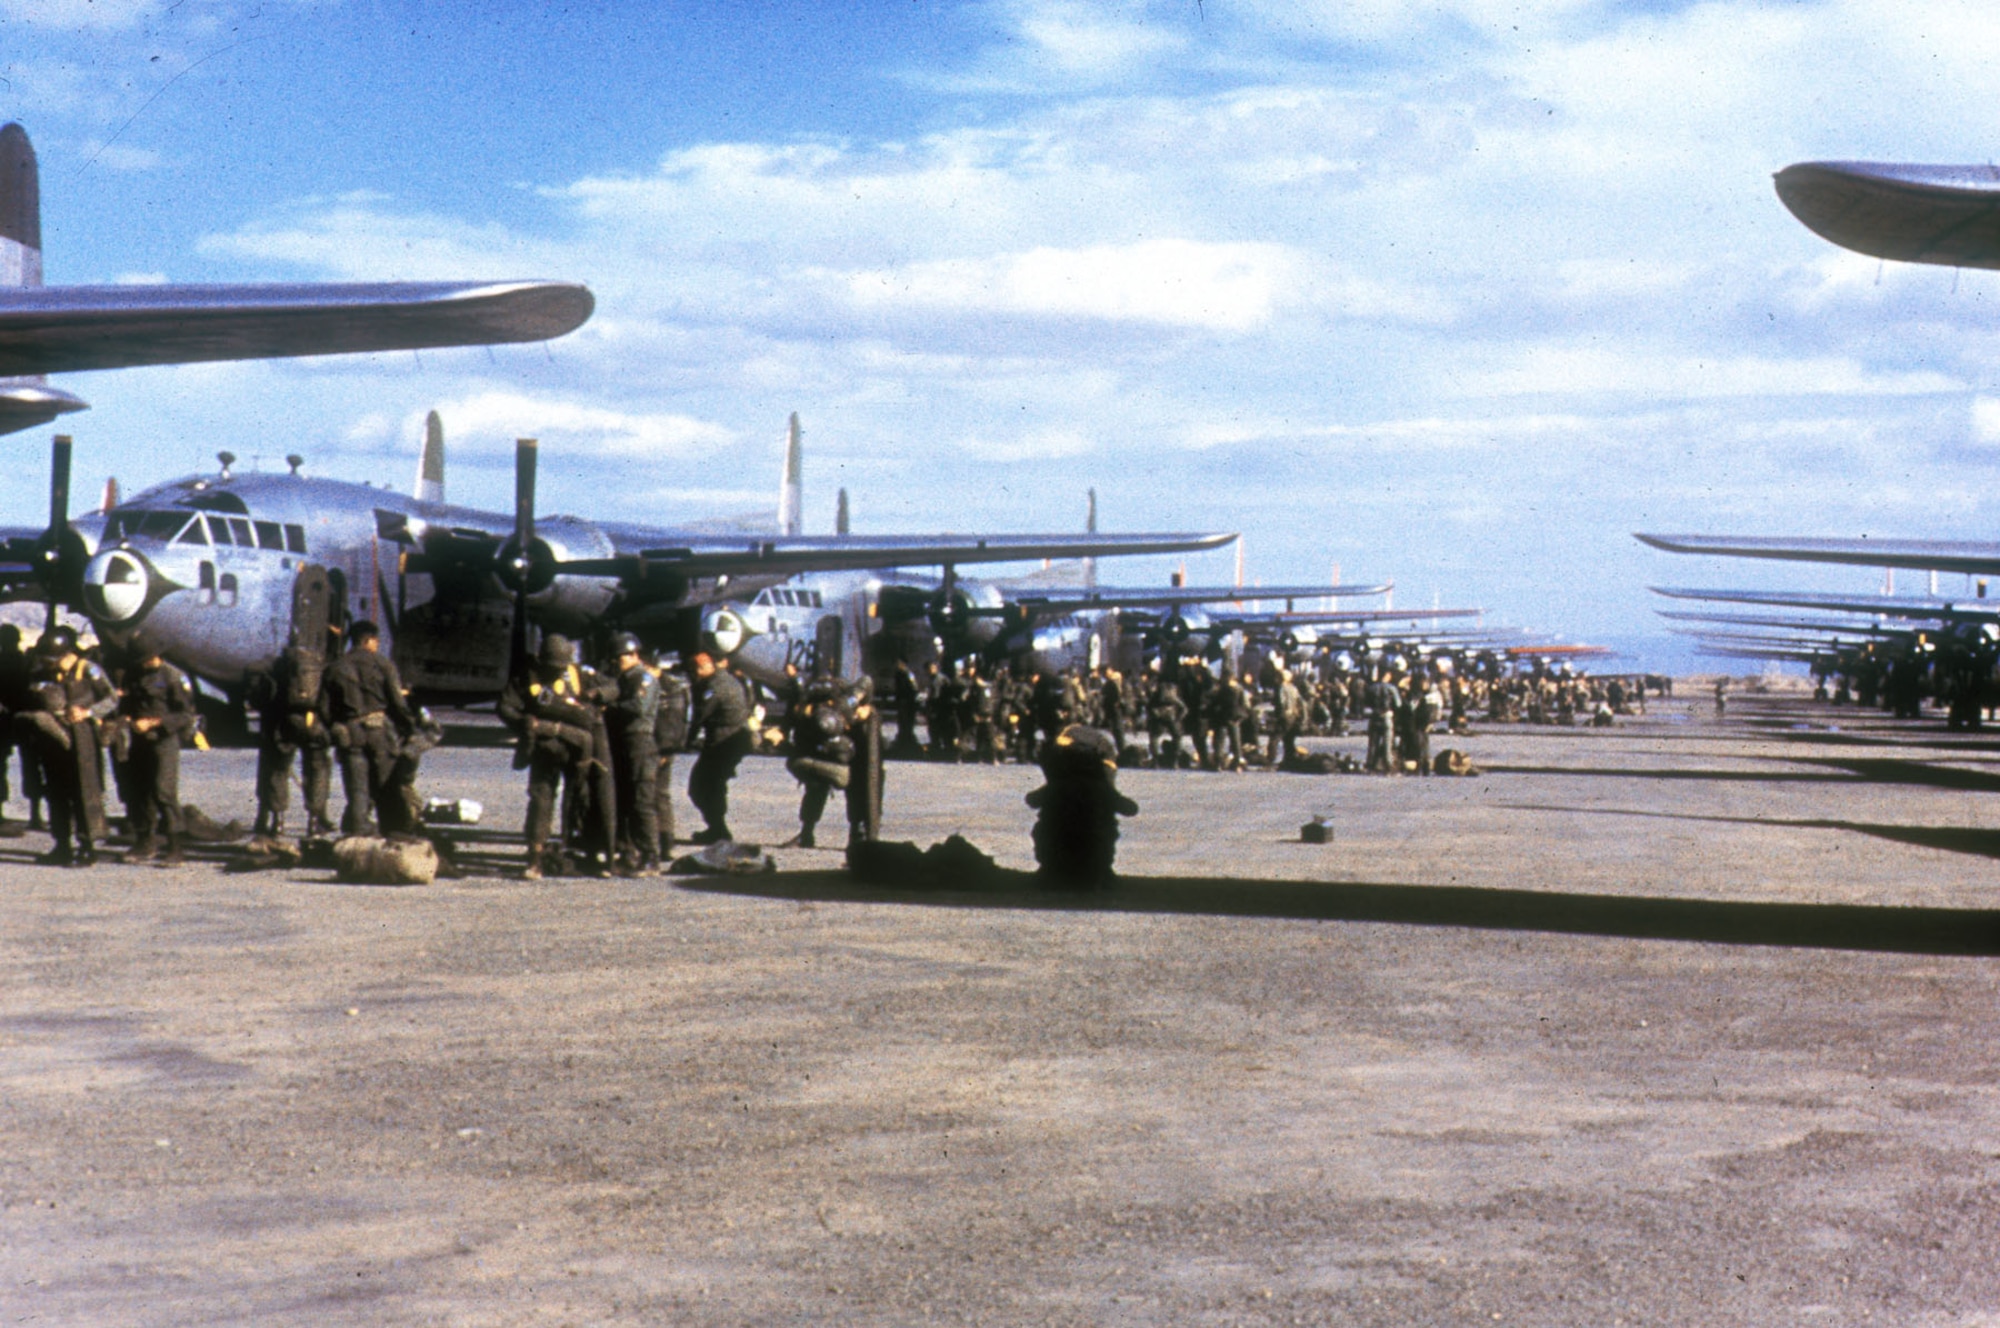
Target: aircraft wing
[
  {"x": 645, "y": 553},
  {"x": 1888, "y": 606},
  {"x": 53, "y": 329},
  {"x": 1108, "y": 597},
  {"x": 1975, "y": 558},
  {"x": 1914, "y": 214}
]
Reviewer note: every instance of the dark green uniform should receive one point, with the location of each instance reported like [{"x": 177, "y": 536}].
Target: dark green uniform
[
  {"x": 158, "y": 708},
  {"x": 362, "y": 701}
]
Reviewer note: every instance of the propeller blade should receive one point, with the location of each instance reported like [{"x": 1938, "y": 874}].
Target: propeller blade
[
  {"x": 525, "y": 453},
  {"x": 59, "y": 459}
]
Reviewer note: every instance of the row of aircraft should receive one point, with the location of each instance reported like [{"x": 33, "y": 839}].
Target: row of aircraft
[
  {"x": 1948, "y": 215},
  {"x": 220, "y": 571}
]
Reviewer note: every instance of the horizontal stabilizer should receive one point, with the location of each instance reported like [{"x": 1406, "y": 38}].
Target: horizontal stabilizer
[
  {"x": 1971, "y": 557},
  {"x": 1913, "y": 214},
  {"x": 58, "y": 328},
  {"x": 1916, "y": 607}
]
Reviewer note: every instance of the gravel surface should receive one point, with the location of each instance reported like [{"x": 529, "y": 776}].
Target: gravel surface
[{"x": 1683, "y": 1021}]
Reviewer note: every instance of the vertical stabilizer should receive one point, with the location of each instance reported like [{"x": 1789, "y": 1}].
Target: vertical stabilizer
[
  {"x": 791, "y": 494},
  {"x": 840, "y": 515},
  {"x": 1090, "y": 527},
  {"x": 430, "y": 467},
  {"x": 28, "y": 400},
  {"x": 20, "y": 210},
  {"x": 110, "y": 494}
]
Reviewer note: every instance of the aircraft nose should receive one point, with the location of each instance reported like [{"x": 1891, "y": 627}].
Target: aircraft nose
[{"x": 114, "y": 586}]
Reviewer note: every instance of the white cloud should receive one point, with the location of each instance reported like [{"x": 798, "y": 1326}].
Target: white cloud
[
  {"x": 1181, "y": 283},
  {"x": 1630, "y": 371}
]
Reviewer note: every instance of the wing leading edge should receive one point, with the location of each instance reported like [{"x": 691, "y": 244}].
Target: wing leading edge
[
  {"x": 1913, "y": 214},
  {"x": 57, "y": 328},
  {"x": 641, "y": 552},
  {"x": 1971, "y": 557}
]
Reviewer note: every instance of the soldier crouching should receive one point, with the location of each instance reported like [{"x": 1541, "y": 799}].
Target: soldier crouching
[
  {"x": 1078, "y": 806},
  {"x": 822, "y": 756},
  {"x": 159, "y": 712}
]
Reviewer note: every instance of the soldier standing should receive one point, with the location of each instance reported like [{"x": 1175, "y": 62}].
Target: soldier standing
[
  {"x": 980, "y": 705},
  {"x": 1291, "y": 721},
  {"x": 670, "y": 734},
  {"x": 17, "y": 696},
  {"x": 947, "y": 700},
  {"x": 159, "y": 705},
  {"x": 553, "y": 707},
  {"x": 1111, "y": 704},
  {"x": 906, "y": 695},
  {"x": 291, "y": 727},
  {"x": 822, "y": 756},
  {"x": 722, "y": 716},
  {"x": 74, "y": 695},
  {"x": 633, "y": 720},
  {"x": 1381, "y": 699},
  {"x": 361, "y": 698}
]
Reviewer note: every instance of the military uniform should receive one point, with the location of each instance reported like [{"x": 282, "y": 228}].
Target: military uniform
[
  {"x": 73, "y": 696},
  {"x": 554, "y": 708},
  {"x": 670, "y": 733},
  {"x": 290, "y": 727},
  {"x": 631, "y": 722},
  {"x": 822, "y": 758},
  {"x": 158, "y": 708},
  {"x": 361, "y": 698},
  {"x": 722, "y": 716}
]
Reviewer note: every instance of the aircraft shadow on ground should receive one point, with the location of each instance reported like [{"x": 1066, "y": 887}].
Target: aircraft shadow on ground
[
  {"x": 1949, "y": 838},
  {"x": 1827, "y": 770},
  {"x": 1811, "y": 926}
]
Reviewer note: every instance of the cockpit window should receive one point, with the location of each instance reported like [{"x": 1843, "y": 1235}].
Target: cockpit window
[
  {"x": 195, "y": 533},
  {"x": 220, "y": 530},
  {"x": 269, "y": 536},
  {"x": 295, "y": 539},
  {"x": 162, "y": 525},
  {"x": 240, "y": 528}
]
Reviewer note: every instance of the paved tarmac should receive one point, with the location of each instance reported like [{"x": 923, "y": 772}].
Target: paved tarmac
[{"x": 1684, "y": 1021}]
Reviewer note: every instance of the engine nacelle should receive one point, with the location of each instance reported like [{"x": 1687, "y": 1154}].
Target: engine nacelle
[
  {"x": 724, "y": 630},
  {"x": 558, "y": 601}
]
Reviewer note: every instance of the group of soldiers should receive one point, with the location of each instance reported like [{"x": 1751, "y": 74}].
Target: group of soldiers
[
  {"x": 70, "y": 715},
  {"x": 1193, "y": 713}
]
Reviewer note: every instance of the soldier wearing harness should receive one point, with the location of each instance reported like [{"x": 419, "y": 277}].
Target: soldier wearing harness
[
  {"x": 72, "y": 696},
  {"x": 670, "y": 735},
  {"x": 158, "y": 708},
  {"x": 553, "y": 708},
  {"x": 722, "y": 716},
  {"x": 631, "y": 721},
  {"x": 362, "y": 700},
  {"x": 290, "y": 727}
]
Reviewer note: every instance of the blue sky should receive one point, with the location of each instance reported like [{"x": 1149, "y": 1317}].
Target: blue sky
[{"x": 1458, "y": 293}]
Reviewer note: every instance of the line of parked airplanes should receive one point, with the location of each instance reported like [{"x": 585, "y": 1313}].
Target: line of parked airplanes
[
  {"x": 208, "y": 566},
  {"x": 211, "y": 570},
  {"x": 1948, "y": 215}
]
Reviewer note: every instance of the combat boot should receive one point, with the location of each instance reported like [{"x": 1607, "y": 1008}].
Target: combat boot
[
  {"x": 533, "y": 871},
  {"x": 145, "y": 850},
  {"x": 86, "y": 855},
  {"x": 173, "y": 857}
]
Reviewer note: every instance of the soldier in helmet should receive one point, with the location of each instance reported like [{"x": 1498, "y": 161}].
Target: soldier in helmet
[
  {"x": 73, "y": 695},
  {"x": 158, "y": 706},
  {"x": 290, "y": 727},
  {"x": 361, "y": 697},
  {"x": 818, "y": 725},
  {"x": 631, "y": 721},
  {"x": 722, "y": 716},
  {"x": 553, "y": 707}
]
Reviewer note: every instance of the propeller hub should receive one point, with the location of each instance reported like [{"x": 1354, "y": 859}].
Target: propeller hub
[{"x": 723, "y": 630}]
